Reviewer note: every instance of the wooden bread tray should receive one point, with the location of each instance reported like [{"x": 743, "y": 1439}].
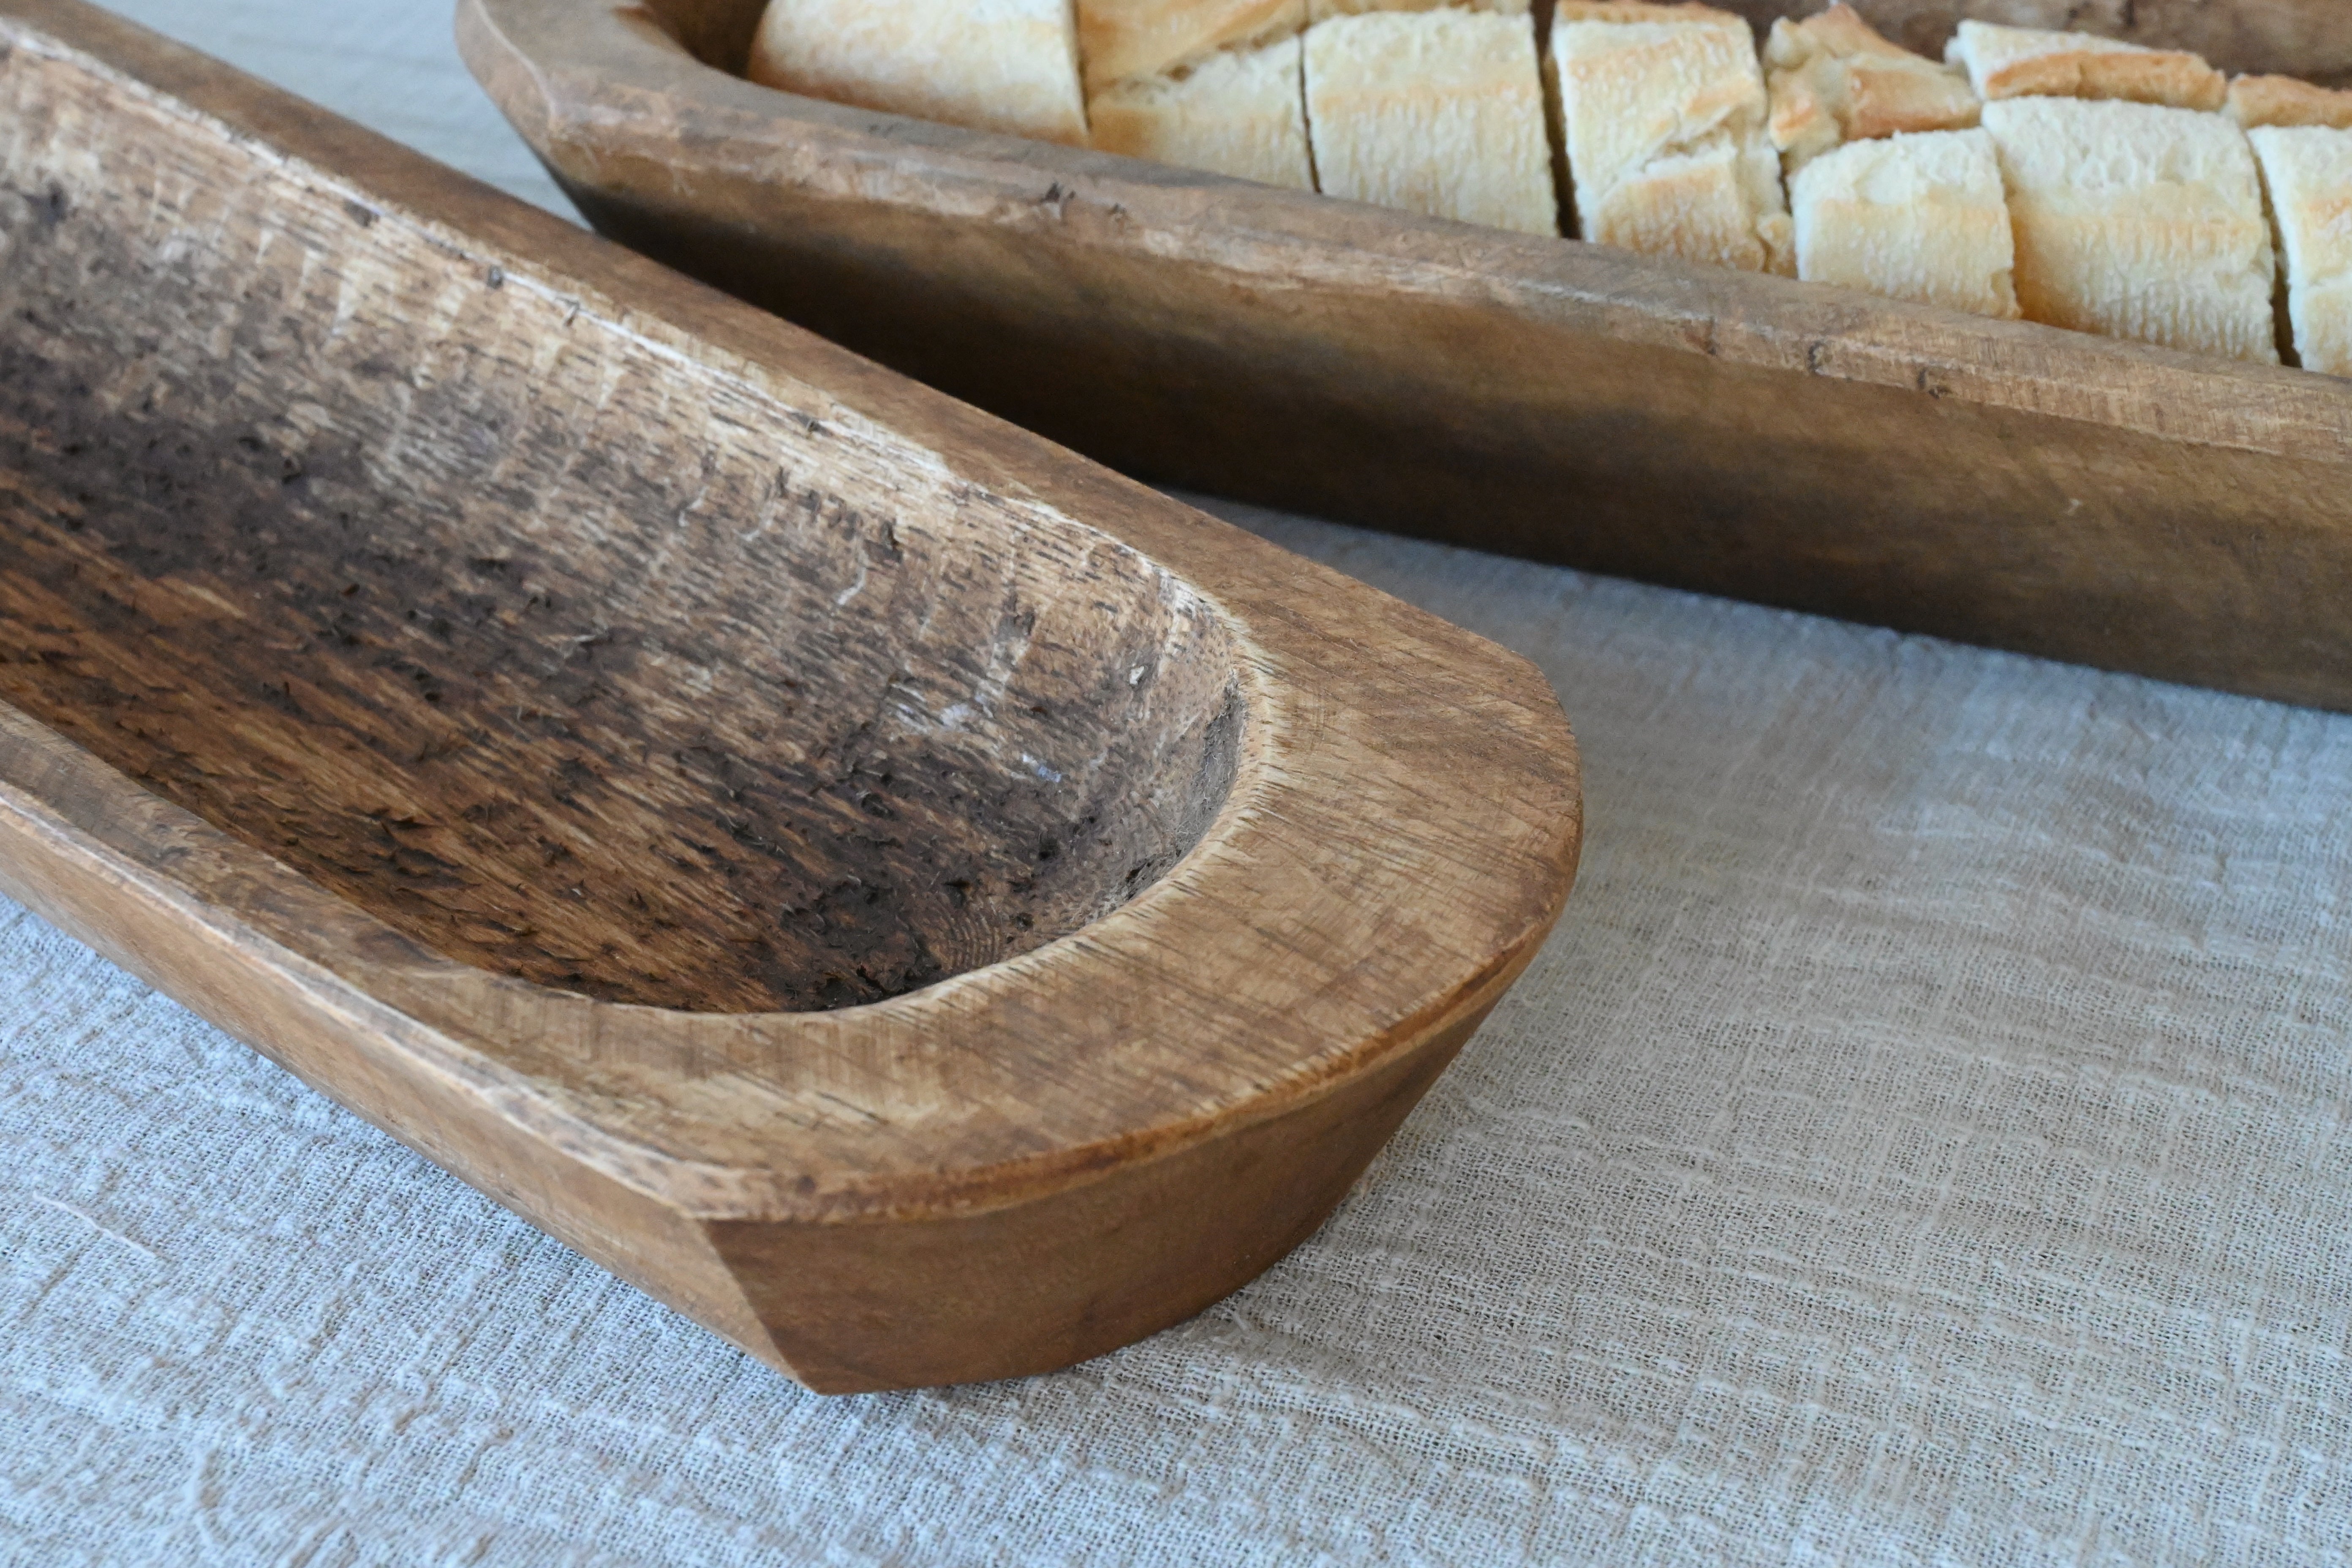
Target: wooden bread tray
[
  {"x": 1999, "y": 483},
  {"x": 921, "y": 904}
]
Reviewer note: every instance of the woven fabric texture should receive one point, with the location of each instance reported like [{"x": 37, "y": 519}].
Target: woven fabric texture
[{"x": 1924, "y": 1140}]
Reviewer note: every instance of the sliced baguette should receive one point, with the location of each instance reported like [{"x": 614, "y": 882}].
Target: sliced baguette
[
  {"x": 2283, "y": 101},
  {"x": 990, "y": 65},
  {"x": 1435, "y": 111},
  {"x": 2028, "y": 62},
  {"x": 2308, "y": 172},
  {"x": 1833, "y": 79},
  {"x": 1236, "y": 112},
  {"x": 1912, "y": 216},
  {"x": 1119, "y": 39},
  {"x": 2138, "y": 221},
  {"x": 1662, "y": 115}
]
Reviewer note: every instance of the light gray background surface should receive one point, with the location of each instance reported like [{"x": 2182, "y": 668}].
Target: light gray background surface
[{"x": 1925, "y": 1141}]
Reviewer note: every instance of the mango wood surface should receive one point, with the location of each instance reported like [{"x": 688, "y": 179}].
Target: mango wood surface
[
  {"x": 922, "y": 905},
  {"x": 1999, "y": 483}
]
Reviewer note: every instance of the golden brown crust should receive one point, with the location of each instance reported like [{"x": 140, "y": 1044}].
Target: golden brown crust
[
  {"x": 1835, "y": 79},
  {"x": 2173, "y": 79},
  {"x": 2284, "y": 100},
  {"x": 1122, "y": 39},
  {"x": 1887, "y": 100},
  {"x": 1841, "y": 31}
]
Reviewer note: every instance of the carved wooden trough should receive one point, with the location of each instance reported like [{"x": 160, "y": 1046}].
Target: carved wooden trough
[
  {"x": 2000, "y": 482},
  {"x": 921, "y": 904}
]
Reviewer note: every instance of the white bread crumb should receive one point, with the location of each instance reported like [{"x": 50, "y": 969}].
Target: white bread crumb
[
  {"x": 1438, "y": 113},
  {"x": 2139, "y": 222},
  {"x": 989, "y": 65},
  {"x": 1918, "y": 216},
  {"x": 1239, "y": 113}
]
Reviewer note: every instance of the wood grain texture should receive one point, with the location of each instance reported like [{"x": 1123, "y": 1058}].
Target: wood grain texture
[
  {"x": 921, "y": 904},
  {"x": 1998, "y": 482}
]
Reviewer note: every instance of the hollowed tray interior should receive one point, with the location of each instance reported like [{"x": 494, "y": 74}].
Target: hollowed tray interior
[{"x": 544, "y": 656}]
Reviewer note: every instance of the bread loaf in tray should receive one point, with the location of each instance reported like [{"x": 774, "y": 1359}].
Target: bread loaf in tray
[{"x": 2084, "y": 181}]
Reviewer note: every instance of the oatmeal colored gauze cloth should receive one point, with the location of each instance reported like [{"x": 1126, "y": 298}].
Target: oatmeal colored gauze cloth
[{"x": 1925, "y": 1139}]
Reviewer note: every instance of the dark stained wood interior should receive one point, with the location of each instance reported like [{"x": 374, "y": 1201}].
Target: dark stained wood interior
[{"x": 552, "y": 662}]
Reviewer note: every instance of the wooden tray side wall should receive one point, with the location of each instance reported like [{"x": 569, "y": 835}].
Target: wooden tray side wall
[
  {"x": 846, "y": 1307},
  {"x": 2009, "y": 485}
]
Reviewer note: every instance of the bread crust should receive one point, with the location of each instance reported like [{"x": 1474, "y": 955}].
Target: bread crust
[
  {"x": 1124, "y": 39},
  {"x": 1832, "y": 79},
  {"x": 2030, "y": 62},
  {"x": 2284, "y": 101}
]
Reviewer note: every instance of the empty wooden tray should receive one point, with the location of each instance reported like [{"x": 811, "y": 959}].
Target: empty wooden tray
[
  {"x": 922, "y": 905},
  {"x": 1804, "y": 446}
]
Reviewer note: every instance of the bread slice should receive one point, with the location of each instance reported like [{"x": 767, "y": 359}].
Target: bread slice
[
  {"x": 1119, "y": 39},
  {"x": 2283, "y": 101},
  {"x": 1237, "y": 112},
  {"x": 1912, "y": 216},
  {"x": 2309, "y": 170},
  {"x": 1435, "y": 111},
  {"x": 1692, "y": 11},
  {"x": 2138, "y": 221},
  {"x": 1324, "y": 10},
  {"x": 1662, "y": 115},
  {"x": 1833, "y": 79},
  {"x": 2027, "y": 62},
  {"x": 991, "y": 65}
]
